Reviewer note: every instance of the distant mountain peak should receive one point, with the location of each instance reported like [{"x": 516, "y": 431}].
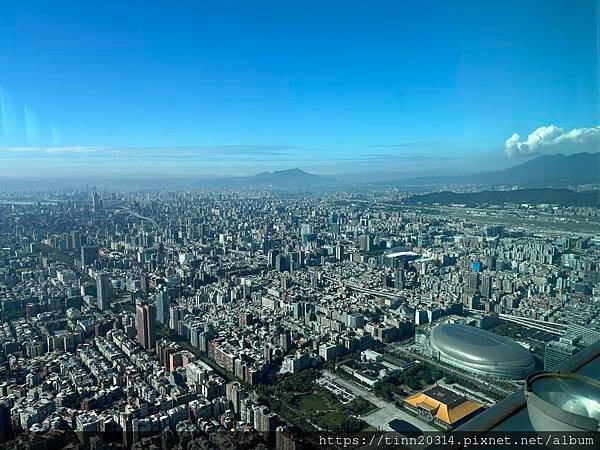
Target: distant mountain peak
[
  {"x": 543, "y": 171},
  {"x": 294, "y": 171},
  {"x": 287, "y": 177}
]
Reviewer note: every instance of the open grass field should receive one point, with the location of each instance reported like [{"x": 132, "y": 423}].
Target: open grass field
[
  {"x": 299, "y": 400},
  {"x": 325, "y": 411}
]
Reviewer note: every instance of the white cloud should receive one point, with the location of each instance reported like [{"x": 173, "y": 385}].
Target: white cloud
[{"x": 553, "y": 139}]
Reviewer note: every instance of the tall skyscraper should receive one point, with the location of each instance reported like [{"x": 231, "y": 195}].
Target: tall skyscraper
[
  {"x": 472, "y": 282},
  {"x": 6, "y": 429},
  {"x": 339, "y": 252},
  {"x": 298, "y": 310},
  {"x": 281, "y": 263},
  {"x": 95, "y": 202},
  {"x": 233, "y": 392},
  {"x": 144, "y": 282},
  {"x": 285, "y": 341},
  {"x": 103, "y": 291},
  {"x": 89, "y": 254},
  {"x": 145, "y": 324},
  {"x": 364, "y": 243},
  {"x": 273, "y": 257},
  {"x": 486, "y": 286},
  {"x": 162, "y": 306},
  {"x": 399, "y": 279},
  {"x": 176, "y": 313},
  {"x": 75, "y": 239}
]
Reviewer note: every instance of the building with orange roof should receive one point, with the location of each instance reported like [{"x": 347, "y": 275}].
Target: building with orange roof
[{"x": 443, "y": 406}]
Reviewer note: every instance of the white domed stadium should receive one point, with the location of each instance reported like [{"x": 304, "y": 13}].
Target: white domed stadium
[{"x": 480, "y": 351}]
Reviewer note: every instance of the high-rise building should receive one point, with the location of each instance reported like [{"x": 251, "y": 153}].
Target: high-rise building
[
  {"x": 96, "y": 202},
  {"x": 245, "y": 319},
  {"x": 297, "y": 310},
  {"x": 421, "y": 316},
  {"x": 384, "y": 280},
  {"x": 272, "y": 256},
  {"x": 144, "y": 283},
  {"x": 103, "y": 291},
  {"x": 284, "y": 440},
  {"x": 399, "y": 279},
  {"x": 264, "y": 421},
  {"x": 285, "y": 341},
  {"x": 176, "y": 313},
  {"x": 162, "y": 306},
  {"x": 145, "y": 324},
  {"x": 281, "y": 263},
  {"x": 557, "y": 352},
  {"x": 233, "y": 393},
  {"x": 486, "y": 286},
  {"x": 490, "y": 262},
  {"x": 364, "y": 243},
  {"x": 355, "y": 320},
  {"x": 306, "y": 229},
  {"x": 339, "y": 252},
  {"x": 167, "y": 353},
  {"x": 75, "y": 239},
  {"x": 423, "y": 240},
  {"x": 471, "y": 300},
  {"x": 6, "y": 429},
  {"x": 89, "y": 254},
  {"x": 472, "y": 282}
]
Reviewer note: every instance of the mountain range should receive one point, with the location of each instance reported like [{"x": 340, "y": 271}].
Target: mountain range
[
  {"x": 279, "y": 179},
  {"x": 290, "y": 177},
  {"x": 556, "y": 170},
  {"x": 544, "y": 171}
]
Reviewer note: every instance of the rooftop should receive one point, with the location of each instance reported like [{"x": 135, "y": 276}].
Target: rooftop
[{"x": 443, "y": 404}]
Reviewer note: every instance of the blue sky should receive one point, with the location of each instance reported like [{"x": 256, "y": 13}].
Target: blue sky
[{"x": 397, "y": 88}]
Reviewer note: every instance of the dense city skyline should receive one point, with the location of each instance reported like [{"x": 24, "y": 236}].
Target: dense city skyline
[{"x": 283, "y": 320}]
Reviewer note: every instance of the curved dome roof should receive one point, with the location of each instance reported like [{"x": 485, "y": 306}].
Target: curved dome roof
[{"x": 481, "y": 349}]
